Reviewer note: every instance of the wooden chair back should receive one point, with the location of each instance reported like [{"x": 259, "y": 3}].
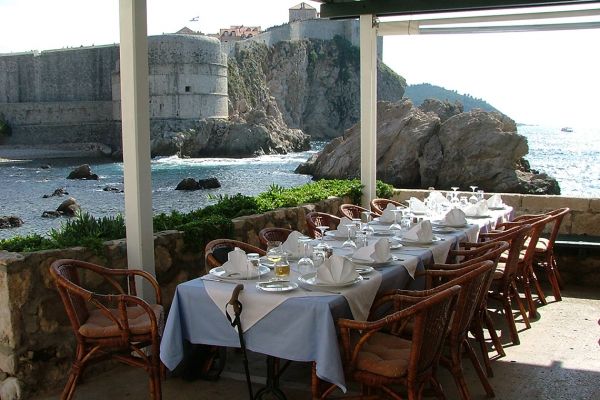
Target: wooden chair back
[
  {"x": 353, "y": 211},
  {"x": 216, "y": 251},
  {"x": 267, "y": 235},
  {"x": 314, "y": 219},
  {"x": 378, "y": 205}
]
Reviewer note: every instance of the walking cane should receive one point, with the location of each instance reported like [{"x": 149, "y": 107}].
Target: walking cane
[{"x": 236, "y": 322}]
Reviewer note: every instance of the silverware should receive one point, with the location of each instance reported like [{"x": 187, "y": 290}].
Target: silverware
[
  {"x": 319, "y": 290},
  {"x": 219, "y": 280}
]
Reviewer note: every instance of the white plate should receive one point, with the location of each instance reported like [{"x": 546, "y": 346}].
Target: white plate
[
  {"x": 364, "y": 269},
  {"x": 478, "y": 216},
  {"x": 443, "y": 225},
  {"x": 277, "y": 286},
  {"x": 360, "y": 261},
  {"x": 386, "y": 232},
  {"x": 220, "y": 273},
  {"x": 443, "y": 229},
  {"x": 409, "y": 242},
  {"x": 311, "y": 279},
  {"x": 377, "y": 221},
  {"x": 336, "y": 234}
]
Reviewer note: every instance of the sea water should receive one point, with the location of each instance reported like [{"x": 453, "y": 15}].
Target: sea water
[{"x": 571, "y": 157}]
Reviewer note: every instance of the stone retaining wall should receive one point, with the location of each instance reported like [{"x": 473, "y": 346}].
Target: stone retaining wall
[{"x": 36, "y": 342}]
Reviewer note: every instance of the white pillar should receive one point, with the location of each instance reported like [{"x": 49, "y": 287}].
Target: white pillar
[
  {"x": 368, "y": 108},
  {"x": 135, "y": 115}
]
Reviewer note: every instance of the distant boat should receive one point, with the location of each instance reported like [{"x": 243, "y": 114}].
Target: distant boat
[{"x": 566, "y": 129}]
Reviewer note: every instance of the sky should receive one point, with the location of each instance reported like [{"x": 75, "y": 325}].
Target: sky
[{"x": 546, "y": 78}]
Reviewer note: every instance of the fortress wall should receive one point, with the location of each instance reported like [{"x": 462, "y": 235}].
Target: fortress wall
[
  {"x": 59, "y": 122},
  {"x": 58, "y": 75},
  {"x": 322, "y": 29},
  {"x": 187, "y": 77}
]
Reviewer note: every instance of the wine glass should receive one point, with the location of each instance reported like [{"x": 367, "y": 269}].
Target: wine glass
[
  {"x": 274, "y": 251},
  {"x": 368, "y": 229},
  {"x": 396, "y": 226},
  {"x": 306, "y": 264},
  {"x": 349, "y": 242},
  {"x": 480, "y": 195},
  {"x": 473, "y": 199},
  {"x": 455, "y": 201},
  {"x": 322, "y": 229}
]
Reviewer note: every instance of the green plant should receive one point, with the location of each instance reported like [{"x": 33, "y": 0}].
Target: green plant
[
  {"x": 85, "y": 230},
  {"x": 21, "y": 244},
  {"x": 384, "y": 190}
]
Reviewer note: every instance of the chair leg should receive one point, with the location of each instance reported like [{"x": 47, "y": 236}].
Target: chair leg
[
  {"x": 155, "y": 373},
  {"x": 437, "y": 388},
  {"x": 517, "y": 298},
  {"x": 477, "y": 331},
  {"x": 553, "y": 277},
  {"x": 528, "y": 295},
  {"x": 69, "y": 390},
  {"x": 457, "y": 372},
  {"x": 538, "y": 287},
  {"x": 482, "y": 377},
  {"x": 489, "y": 324},
  {"x": 559, "y": 279},
  {"x": 510, "y": 319}
]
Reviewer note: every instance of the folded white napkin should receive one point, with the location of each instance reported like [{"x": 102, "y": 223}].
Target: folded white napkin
[
  {"x": 495, "y": 201},
  {"x": 293, "y": 246},
  {"x": 455, "y": 217},
  {"x": 342, "y": 228},
  {"x": 377, "y": 252},
  {"x": 438, "y": 198},
  {"x": 237, "y": 263},
  {"x": 421, "y": 232},
  {"x": 417, "y": 206},
  {"x": 336, "y": 269},
  {"x": 388, "y": 214},
  {"x": 478, "y": 209}
]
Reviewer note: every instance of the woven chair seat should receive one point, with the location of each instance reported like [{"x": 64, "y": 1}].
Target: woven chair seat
[
  {"x": 99, "y": 325},
  {"x": 385, "y": 355}
]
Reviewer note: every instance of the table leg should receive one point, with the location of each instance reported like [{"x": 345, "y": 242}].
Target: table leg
[{"x": 271, "y": 390}]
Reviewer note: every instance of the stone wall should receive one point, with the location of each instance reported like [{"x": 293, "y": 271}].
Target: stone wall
[
  {"x": 36, "y": 342},
  {"x": 67, "y": 122},
  {"x": 323, "y": 29}
]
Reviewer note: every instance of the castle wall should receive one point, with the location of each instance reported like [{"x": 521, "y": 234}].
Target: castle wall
[
  {"x": 322, "y": 29},
  {"x": 81, "y": 74},
  {"x": 73, "y": 95}
]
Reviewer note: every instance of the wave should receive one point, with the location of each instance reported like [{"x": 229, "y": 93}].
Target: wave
[{"x": 175, "y": 161}]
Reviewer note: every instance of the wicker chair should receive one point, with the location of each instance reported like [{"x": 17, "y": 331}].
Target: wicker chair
[
  {"x": 352, "y": 211},
  {"x": 474, "y": 276},
  {"x": 504, "y": 286},
  {"x": 314, "y": 219},
  {"x": 470, "y": 253},
  {"x": 411, "y": 363},
  {"x": 117, "y": 325},
  {"x": 525, "y": 273},
  {"x": 544, "y": 252},
  {"x": 267, "y": 235},
  {"x": 216, "y": 251},
  {"x": 378, "y": 205}
]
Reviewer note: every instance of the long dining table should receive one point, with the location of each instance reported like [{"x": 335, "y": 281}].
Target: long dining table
[{"x": 300, "y": 324}]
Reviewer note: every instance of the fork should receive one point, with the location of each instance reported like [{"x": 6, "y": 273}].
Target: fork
[{"x": 319, "y": 290}]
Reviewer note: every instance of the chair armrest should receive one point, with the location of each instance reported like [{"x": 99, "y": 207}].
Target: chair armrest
[{"x": 131, "y": 273}]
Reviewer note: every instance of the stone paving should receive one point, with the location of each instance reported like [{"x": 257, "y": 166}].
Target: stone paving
[{"x": 558, "y": 358}]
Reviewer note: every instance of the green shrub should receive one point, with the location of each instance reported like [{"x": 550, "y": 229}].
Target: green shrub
[
  {"x": 31, "y": 242},
  {"x": 198, "y": 226}
]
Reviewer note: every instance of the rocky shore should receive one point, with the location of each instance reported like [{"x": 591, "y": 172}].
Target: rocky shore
[{"x": 439, "y": 146}]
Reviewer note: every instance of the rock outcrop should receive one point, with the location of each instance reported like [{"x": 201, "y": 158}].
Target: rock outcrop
[
  {"x": 83, "y": 172},
  {"x": 192, "y": 184},
  {"x": 315, "y": 84},
  {"x": 416, "y": 150},
  {"x": 57, "y": 192},
  {"x": 10, "y": 221},
  {"x": 69, "y": 207}
]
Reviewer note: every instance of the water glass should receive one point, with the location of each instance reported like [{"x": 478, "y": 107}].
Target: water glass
[
  {"x": 361, "y": 239},
  {"x": 282, "y": 268},
  {"x": 318, "y": 256},
  {"x": 306, "y": 264},
  {"x": 480, "y": 195},
  {"x": 274, "y": 251},
  {"x": 464, "y": 201},
  {"x": 253, "y": 265}
]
